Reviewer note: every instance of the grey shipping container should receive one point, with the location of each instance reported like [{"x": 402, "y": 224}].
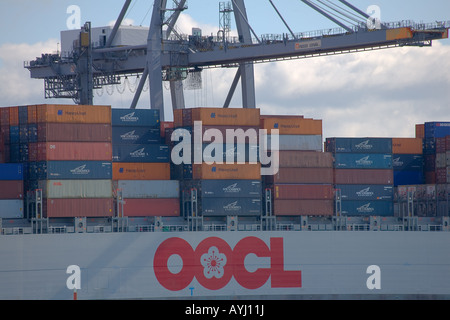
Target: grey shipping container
[
  {"x": 71, "y": 170},
  {"x": 76, "y": 189},
  {"x": 149, "y": 189},
  {"x": 363, "y": 161},
  {"x": 11, "y": 209},
  {"x": 359, "y": 145},
  {"x": 366, "y": 192},
  {"x": 231, "y": 207},
  {"x": 225, "y": 188},
  {"x": 297, "y": 142}
]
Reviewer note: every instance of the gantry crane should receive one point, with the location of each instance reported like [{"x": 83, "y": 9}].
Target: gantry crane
[{"x": 169, "y": 56}]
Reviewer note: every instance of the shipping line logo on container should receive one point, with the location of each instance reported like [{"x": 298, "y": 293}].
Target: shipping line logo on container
[
  {"x": 364, "y": 145},
  {"x": 129, "y": 117},
  {"x": 364, "y": 161},
  {"x": 213, "y": 263},
  {"x": 365, "y": 193},
  {"x": 365, "y": 209},
  {"x": 81, "y": 170},
  {"x": 129, "y": 136},
  {"x": 232, "y": 189},
  {"x": 236, "y": 142}
]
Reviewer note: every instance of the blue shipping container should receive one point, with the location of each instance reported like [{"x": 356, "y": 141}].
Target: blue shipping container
[
  {"x": 225, "y": 188},
  {"x": 359, "y": 145},
  {"x": 141, "y": 153},
  {"x": 404, "y": 178},
  {"x": 363, "y": 161},
  {"x": 366, "y": 192},
  {"x": 408, "y": 162},
  {"x": 72, "y": 170},
  {"x": 11, "y": 171},
  {"x": 437, "y": 129},
  {"x": 135, "y": 135},
  {"x": 135, "y": 118},
  {"x": 368, "y": 208},
  {"x": 32, "y": 132},
  {"x": 231, "y": 206},
  {"x": 14, "y": 134}
]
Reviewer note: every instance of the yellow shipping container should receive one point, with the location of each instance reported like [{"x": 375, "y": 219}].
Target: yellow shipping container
[
  {"x": 222, "y": 117},
  {"x": 73, "y": 113},
  {"x": 407, "y": 146},
  {"x": 293, "y": 125},
  {"x": 226, "y": 172}
]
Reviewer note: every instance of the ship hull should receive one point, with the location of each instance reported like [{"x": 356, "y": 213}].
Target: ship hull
[{"x": 226, "y": 265}]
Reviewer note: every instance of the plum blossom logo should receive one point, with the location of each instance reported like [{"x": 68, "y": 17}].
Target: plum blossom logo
[{"x": 213, "y": 263}]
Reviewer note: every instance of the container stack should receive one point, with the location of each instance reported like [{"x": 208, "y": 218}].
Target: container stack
[
  {"x": 70, "y": 159},
  {"x": 407, "y": 161},
  {"x": 437, "y": 152},
  {"x": 303, "y": 185},
  {"x": 223, "y": 189},
  {"x": 141, "y": 168},
  {"x": 11, "y": 191},
  {"x": 363, "y": 173}
]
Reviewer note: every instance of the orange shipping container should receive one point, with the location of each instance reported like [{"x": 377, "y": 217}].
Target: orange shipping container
[
  {"x": 140, "y": 171},
  {"x": 407, "y": 146},
  {"x": 293, "y": 125},
  {"x": 32, "y": 114},
  {"x": 73, "y": 114},
  {"x": 222, "y": 117},
  {"x": 13, "y": 116},
  {"x": 420, "y": 131},
  {"x": 226, "y": 172}
]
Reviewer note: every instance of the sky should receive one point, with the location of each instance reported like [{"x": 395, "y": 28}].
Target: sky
[{"x": 382, "y": 93}]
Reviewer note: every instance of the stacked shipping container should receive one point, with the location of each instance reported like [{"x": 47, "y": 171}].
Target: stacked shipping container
[
  {"x": 222, "y": 186},
  {"x": 141, "y": 168},
  {"x": 363, "y": 174},
  {"x": 11, "y": 190},
  {"x": 69, "y": 158},
  {"x": 407, "y": 161},
  {"x": 303, "y": 185}
]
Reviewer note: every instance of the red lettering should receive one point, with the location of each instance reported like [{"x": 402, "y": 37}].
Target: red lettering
[{"x": 213, "y": 263}]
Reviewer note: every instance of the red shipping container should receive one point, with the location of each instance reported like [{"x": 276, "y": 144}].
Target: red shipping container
[
  {"x": 303, "y": 207},
  {"x": 71, "y": 208},
  {"x": 441, "y": 176},
  {"x": 364, "y": 176},
  {"x": 95, "y": 151},
  {"x": 80, "y": 132},
  {"x": 302, "y": 176},
  {"x": 4, "y": 116},
  {"x": 152, "y": 207},
  {"x": 306, "y": 159},
  {"x": 12, "y": 189},
  {"x": 303, "y": 192}
]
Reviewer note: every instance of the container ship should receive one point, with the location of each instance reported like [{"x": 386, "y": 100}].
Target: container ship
[{"x": 106, "y": 203}]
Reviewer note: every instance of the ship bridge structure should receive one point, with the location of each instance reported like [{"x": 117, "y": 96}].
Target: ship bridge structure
[{"x": 168, "y": 56}]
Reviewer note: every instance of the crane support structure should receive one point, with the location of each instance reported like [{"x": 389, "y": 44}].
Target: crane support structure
[{"x": 169, "y": 56}]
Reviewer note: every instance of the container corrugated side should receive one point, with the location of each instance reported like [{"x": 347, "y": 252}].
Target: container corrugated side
[
  {"x": 302, "y": 176},
  {"x": 79, "y": 132},
  {"x": 226, "y": 171},
  {"x": 303, "y": 207},
  {"x": 408, "y": 177},
  {"x": 11, "y": 209},
  {"x": 303, "y": 192},
  {"x": 141, "y": 171},
  {"x": 305, "y": 159},
  {"x": 135, "y": 135},
  {"x": 219, "y": 153},
  {"x": 68, "y": 151},
  {"x": 366, "y": 192},
  {"x": 368, "y": 208},
  {"x": 359, "y": 145},
  {"x": 135, "y": 118},
  {"x": 70, "y": 208},
  {"x": 155, "y": 153},
  {"x": 149, "y": 189},
  {"x": 407, "y": 146},
  {"x": 11, "y": 171},
  {"x": 76, "y": 189},
  {"x": 72, "y": 170},
  {"x": 437, "y": 129},
  {"x": 11, "y": 189},
  {"x": 225, "y": 188},
  {"x": 363, "y": 161},
  {"x": 231, "y": 206},
  {"x": 73, "y": 113},
  {"x": 409, "y": 162},
  {"x": 222, "y": 116},
  {"x": 297, "y": 142},
  {"x": 151, "y": 207},
  {"x": 364, "y": 176},
  {"x": 292, "y": 125}
]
